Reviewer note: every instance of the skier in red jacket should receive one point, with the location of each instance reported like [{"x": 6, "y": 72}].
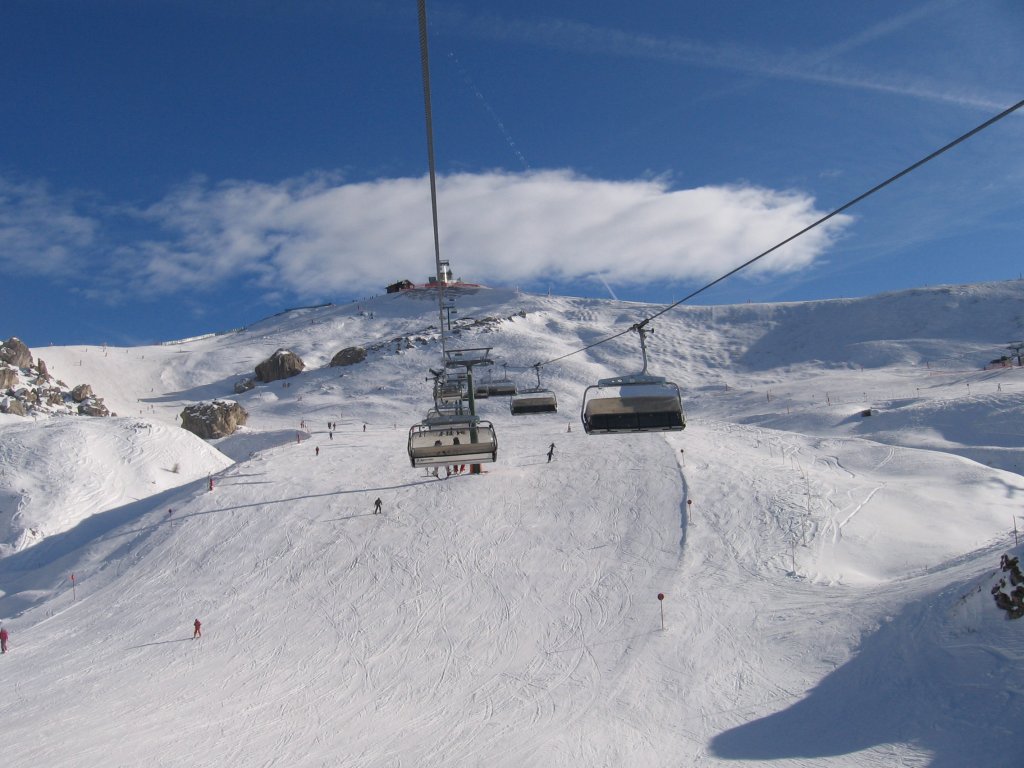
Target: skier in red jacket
[
  {"x": 3, "y": 640},
  {"x": 198, "y": 629}
]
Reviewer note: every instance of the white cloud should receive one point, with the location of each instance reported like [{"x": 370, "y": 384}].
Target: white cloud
[
  {"x": 39, "y": 233},
  {"x": 318, "y": 237}
]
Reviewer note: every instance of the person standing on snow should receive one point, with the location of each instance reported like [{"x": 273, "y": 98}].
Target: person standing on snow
[
  {"x": 3, "y": 639},
  {"x": 551, "y": 452},
  {"x": 376, "y": 506},
  {"x": 198, "y": 631}
]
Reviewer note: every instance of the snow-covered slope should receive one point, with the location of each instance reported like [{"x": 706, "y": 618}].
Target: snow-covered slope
[{"x": 825, "y": 574}]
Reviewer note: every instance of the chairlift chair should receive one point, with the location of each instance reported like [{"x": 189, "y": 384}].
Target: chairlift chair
[
  {"x": 501, "y": 388},
  {"x": 534, "y": 400},
  {"x": 635, "y": 403},
  {"x": 442, "y": 440}
]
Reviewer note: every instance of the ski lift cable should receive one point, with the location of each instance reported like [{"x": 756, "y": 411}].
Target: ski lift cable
[{"x": 878, "y": 187}]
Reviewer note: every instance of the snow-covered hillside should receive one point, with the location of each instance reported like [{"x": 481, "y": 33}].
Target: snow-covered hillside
[{"x": 826, "y": 574}]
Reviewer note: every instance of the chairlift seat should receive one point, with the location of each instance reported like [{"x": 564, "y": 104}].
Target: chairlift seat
[
  {"x": 501, "y": 388},
  {"x": 533, "y": 401},
  {"x": 632, "y": 404},
  {"x": 446, "y": 440}
]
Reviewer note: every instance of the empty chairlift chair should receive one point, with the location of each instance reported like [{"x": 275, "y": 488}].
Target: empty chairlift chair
[
  {"x": 535, "y": 400},
  {"x": 635, "y": 403},
  {"x": 440, "y": 440}
]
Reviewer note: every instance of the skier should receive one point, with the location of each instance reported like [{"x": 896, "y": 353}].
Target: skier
[
  {"x": 376, "y": 506},
  {"x": 211, "y": 482},
  {"x": 551, "y": 452},
  {"x": 3, "y": 640},
  {"x": 364, "y": 427},
  {"x": 197, "y": 632},
  {"x": 318, "y": 450}
]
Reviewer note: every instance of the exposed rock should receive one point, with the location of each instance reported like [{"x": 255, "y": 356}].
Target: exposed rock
[
  {"x": 15, "y": 352},
  {"x": 93, "y": 407},
  {"x": 280, "y": 365},
  {"x": 244, "y": 386},
  {"x": 212, "y": 420},
  {"x": 33, "y": 392},
  {"x": 81, "y": 393},
  {"x": 348, "y": 356},
  {"x": 1007, "y": 598},
  {"x": 12, "y": 406},
  {"x": 8, "y": 377}
]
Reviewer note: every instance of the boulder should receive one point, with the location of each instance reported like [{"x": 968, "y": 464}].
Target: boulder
[
  {"x": 244, "y": 386},
  {"x": 15, "y": 352},
  {"x": 81, "y": 393},
  {"x": 93, "y": 407},
  {"x": 348, "y": 356},
  {"x": 44, "y": 372},
  {"x": 12, "y": 406},
  {"x": 280, "y": 365},
  {"x": 8, "y": 377},
  {"x": 212, "y": 420}
]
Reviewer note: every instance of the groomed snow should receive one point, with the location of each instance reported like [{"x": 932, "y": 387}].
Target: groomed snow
[{"x": 826, "y": 574}]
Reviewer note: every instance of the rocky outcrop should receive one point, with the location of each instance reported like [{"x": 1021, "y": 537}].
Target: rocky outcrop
[
  {"x": 280, "y": 365},
  {"x": 28, "y": 389},
  {"x": 93, "y": 407},
  {"x": 8, "y": 377},
  {"x": 1010, "y": 597},
  {"x": 12, "y": 406},
  {"x": 15, "y": 352},
  {"x": 81, "y": 393},
  {"x": 212, "y": 420},
  {"x": 244, "y": 386},
  {"x": 348, "y": 356}
]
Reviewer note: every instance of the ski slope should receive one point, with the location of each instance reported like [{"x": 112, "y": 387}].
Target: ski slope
[{"x": 825, "y": 574}]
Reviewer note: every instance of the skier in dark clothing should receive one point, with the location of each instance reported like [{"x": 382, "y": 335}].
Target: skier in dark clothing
[
  {"x": 376, "y": 506},
  {"x": 551, "y": 452},
  {"x": 197, "y": 632}
]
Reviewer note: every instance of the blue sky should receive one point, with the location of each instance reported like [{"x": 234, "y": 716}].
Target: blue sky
[{"x": 170, "y": 168}]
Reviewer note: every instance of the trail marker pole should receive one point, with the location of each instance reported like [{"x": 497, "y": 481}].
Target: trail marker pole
[
  {"x": 74, "y": 591},
  {"x": 1015, "y": 542},
  {"x": 661, "y": 602}
]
